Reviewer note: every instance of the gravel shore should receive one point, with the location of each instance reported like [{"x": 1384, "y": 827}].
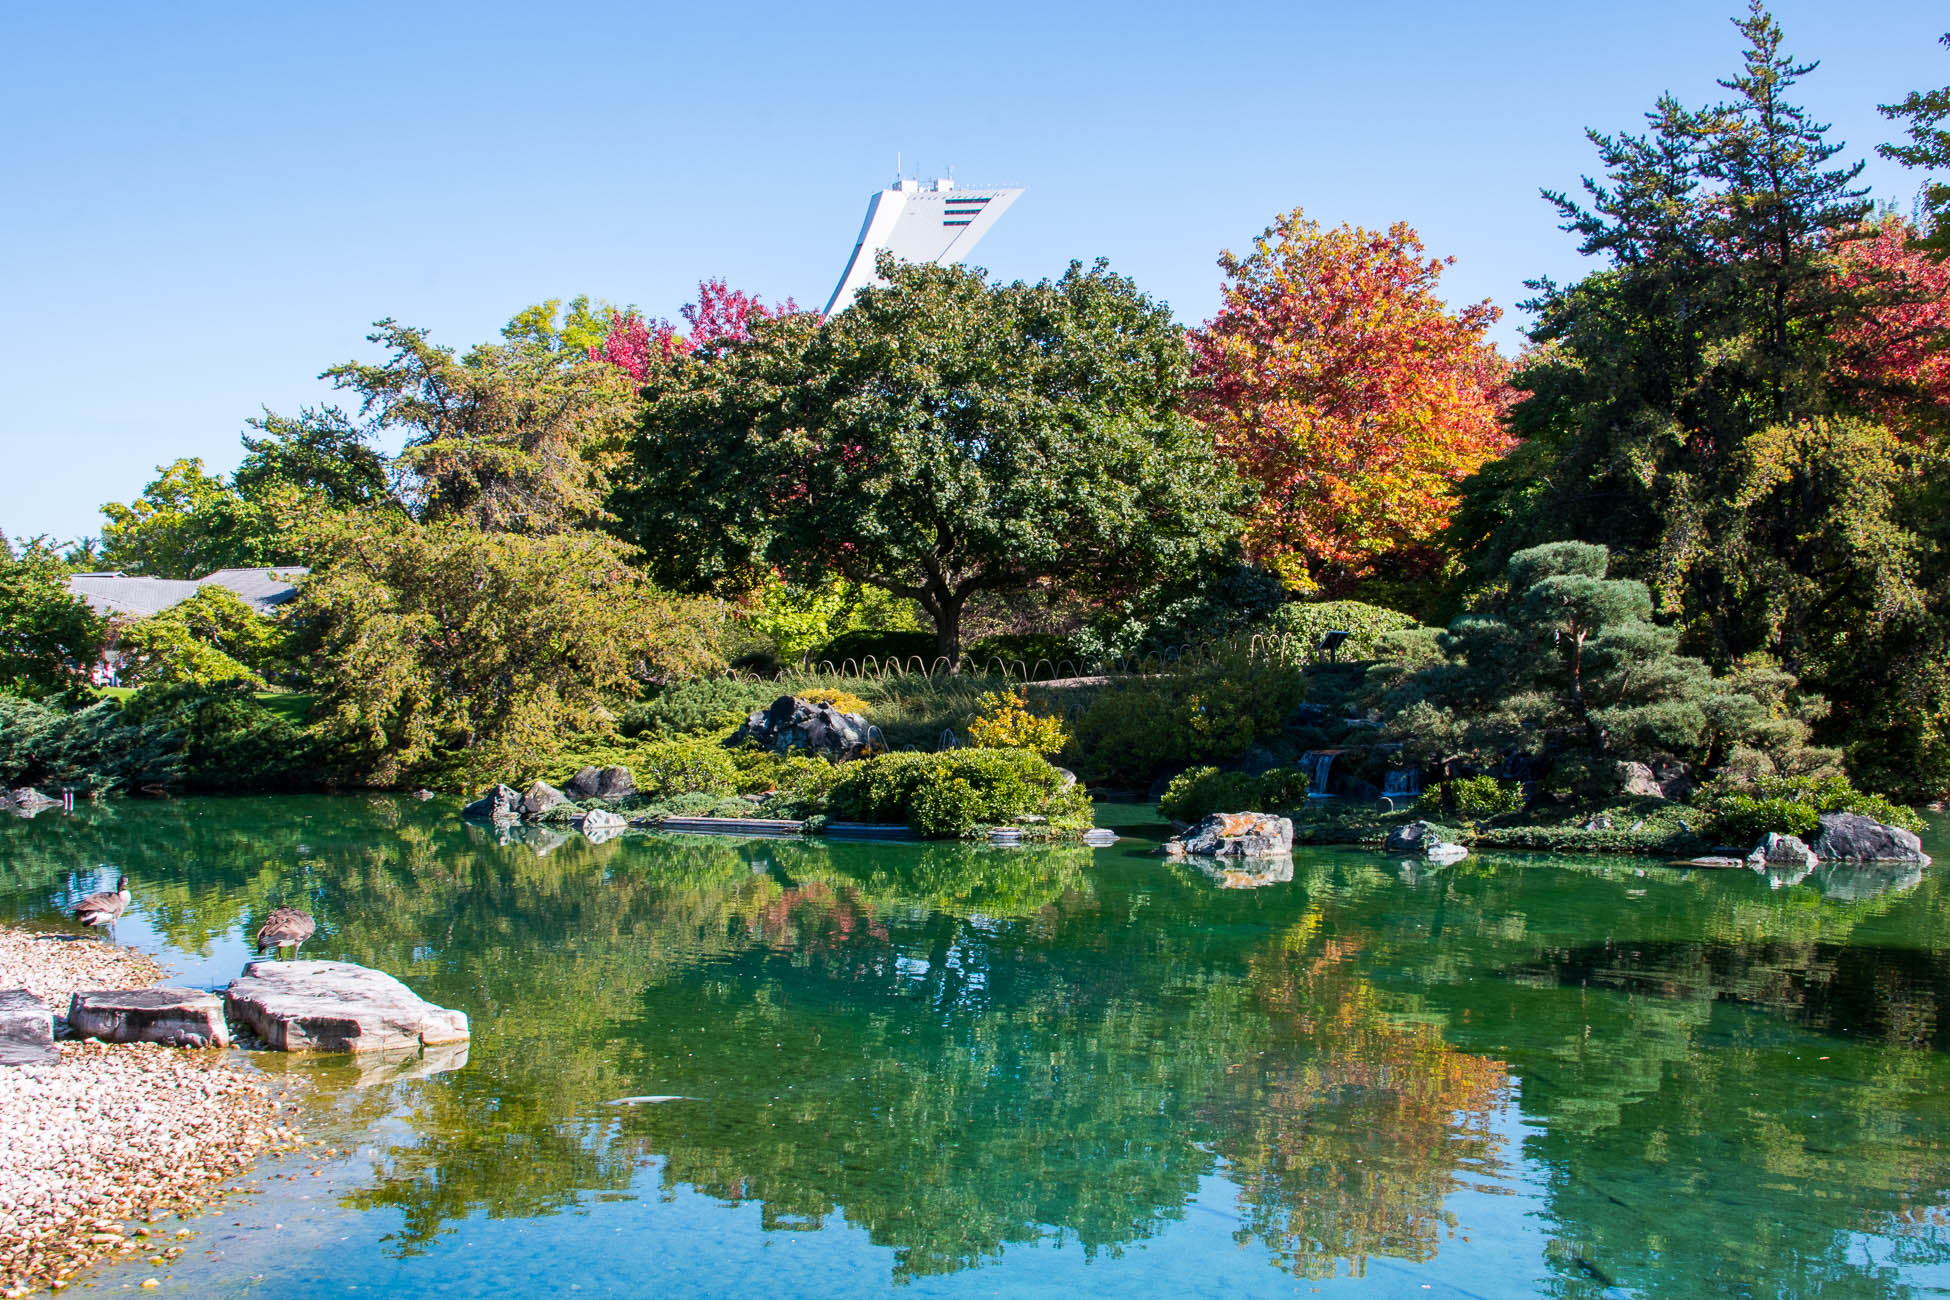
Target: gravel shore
[{"x": 113, "y": 1136}]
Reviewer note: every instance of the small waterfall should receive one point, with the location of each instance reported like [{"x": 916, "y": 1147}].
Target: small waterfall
[
  {"x": 1317, "y": 780},
  {"x": 1402, "y": 783}
]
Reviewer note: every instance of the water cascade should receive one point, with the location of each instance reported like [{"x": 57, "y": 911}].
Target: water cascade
[
  {"x": 1402, "y": 783},
  {"x": 1317, "y": 779}
]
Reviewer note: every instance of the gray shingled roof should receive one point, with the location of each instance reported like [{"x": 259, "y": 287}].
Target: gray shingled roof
[{"x": 119, "y": 595}]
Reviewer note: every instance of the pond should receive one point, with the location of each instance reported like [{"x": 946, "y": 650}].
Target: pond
[{"x": 1047, "y": 1071}]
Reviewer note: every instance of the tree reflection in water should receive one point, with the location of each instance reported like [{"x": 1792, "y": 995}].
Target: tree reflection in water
[{"x": 957, "y": 1049}]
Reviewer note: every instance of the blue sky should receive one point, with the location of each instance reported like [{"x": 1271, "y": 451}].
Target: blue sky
[{"x": 205, "y": 205}]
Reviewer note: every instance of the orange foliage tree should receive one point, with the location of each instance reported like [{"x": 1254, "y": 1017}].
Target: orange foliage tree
[{"x": 1339, "y": 382}]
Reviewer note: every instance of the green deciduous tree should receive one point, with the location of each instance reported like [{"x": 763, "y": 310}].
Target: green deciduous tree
[
  {"x": 941, "y": 438},
  {"x": 448, "y": 653},
  {"x": 47, "y": 635}
]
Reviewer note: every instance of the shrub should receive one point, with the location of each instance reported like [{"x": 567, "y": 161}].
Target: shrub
[
  {"x": 1206, "y": 712},
  {"x": 1742, "y": 812},
  {"x": 96, "y": 749},
  {"x": 1201, "y": 791},
  {"x": 954, "y": 793},
  {"x": 844, "y": 701},
  {"x": 697, "y": 706},
  {"x": 1307, "y": 621},
  {"x": 1478, "y": 797},
  {"x": 673, "y": 767},
  {"x": 230, "y": 739},
  {"x": 1005, "y": 722}
]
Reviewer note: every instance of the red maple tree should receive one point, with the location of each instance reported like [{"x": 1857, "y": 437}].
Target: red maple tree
[
  {"x": 1340, "y": 383},
  {"x": 720, "y": 314}
]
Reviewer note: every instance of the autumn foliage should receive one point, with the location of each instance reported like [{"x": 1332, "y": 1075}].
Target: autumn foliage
[
  {"x": 720, "y": 314},
  {"x": 1892, "y": 351},
  {"x": 1342, "y": 386}
]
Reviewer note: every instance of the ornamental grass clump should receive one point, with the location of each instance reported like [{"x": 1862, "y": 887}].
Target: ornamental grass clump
[{"x": 960, "y": 791}]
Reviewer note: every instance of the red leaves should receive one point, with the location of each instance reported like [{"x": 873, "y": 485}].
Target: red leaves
[
  {"x": 1892, "y": 352},
  {"x": 1336, "y": 379},
  {"x": 720, "y": 314}
]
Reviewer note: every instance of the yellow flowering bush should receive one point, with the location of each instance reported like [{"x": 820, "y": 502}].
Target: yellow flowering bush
[{"x": 1003, "y": 721}]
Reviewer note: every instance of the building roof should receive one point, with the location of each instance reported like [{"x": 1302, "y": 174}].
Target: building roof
[
  {"x": 119, "y": 595},
  {"x": 916, "y": 222}
]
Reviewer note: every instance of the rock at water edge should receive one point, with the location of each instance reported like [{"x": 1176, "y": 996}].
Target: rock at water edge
[
  {"x": 539, "y": 799},
  {"x": 1409, "y": 838},
  {"x": 1851, "y": 837},
  {"x": 170, "y": 1016},
  {"x": 498, "y": 804},
  {"x": 1234, "y": 835},
  {"x": 336, "y": 1006},
  {"x": 26, "y": 1030},
  {"x": 1775, "y": 850}
]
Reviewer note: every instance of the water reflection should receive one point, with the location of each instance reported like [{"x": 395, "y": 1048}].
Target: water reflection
[{"x": 1714, "y": 1079}]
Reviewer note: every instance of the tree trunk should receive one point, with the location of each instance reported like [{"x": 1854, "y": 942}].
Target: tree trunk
[{"x": 946, "y": 612}]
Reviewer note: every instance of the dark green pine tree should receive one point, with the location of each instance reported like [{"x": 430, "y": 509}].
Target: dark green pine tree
[{"x": 1928, "y": 149}]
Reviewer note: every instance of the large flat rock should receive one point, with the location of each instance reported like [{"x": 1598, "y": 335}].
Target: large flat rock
[
  {"x": 170, "y": 1016},
  {"x": 336, "y": 1006},
  {"x": 26, "y": 1030}
]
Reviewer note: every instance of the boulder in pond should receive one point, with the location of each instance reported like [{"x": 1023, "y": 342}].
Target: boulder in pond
[
  {"x": 1851, "y": 837},
  {"x": 1409, "y": 838},
  {"x": 498, "y": 804},
  {"x": 539, "y": 799},
  {"x": 1776, "y": 850},
  {"x": 1443, "y": 852},
  {"x": 599, "y": 820},
  {"x": 1234, "y": 835},
  {"x": 792, "y": 725},
  {"x": 26, "y": 1030},
  {"x": 336, "y": 1006},
  {"x": 601, "y": 783},
  {"x": 170, "y": 1016}
]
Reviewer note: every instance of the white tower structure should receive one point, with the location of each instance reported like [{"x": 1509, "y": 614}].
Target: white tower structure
[{"x": 919, "y": 222}]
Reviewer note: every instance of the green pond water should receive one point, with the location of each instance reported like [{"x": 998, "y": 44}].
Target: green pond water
[{"x": 959, "y": 1070}]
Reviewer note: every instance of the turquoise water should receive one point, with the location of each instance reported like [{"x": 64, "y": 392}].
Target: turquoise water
[{"x": 959, "y": 1070}]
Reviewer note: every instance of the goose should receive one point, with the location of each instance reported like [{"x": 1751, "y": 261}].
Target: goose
[
  {"x": 285, "y": 927},
  {"x": 105, "y": 908}
]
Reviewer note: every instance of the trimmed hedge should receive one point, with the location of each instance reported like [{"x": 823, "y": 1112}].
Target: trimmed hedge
[
  {"x": 1201, "y": 791},
  {"x": 958, "y": 792},
  {"x": 1366, "y": 624}
]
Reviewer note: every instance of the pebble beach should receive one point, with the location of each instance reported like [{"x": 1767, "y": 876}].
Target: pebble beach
[{"x": 104, "y": 1143}]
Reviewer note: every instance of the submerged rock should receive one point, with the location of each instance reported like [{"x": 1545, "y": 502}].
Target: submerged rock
[
  {"x": 497, "y": 804},
  {"x": 1234, "y": 835},
  {"x": 170, "y": 1016},
  {"x": 337, "y": 1006},
  {"x": 1851, "y": 837},
  {"x": 26, "y": 1030}
]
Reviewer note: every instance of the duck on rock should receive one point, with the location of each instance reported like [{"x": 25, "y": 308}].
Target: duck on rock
[
  {"x": 285, "y": 927},
  {"x": 104, "y": 909}
]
